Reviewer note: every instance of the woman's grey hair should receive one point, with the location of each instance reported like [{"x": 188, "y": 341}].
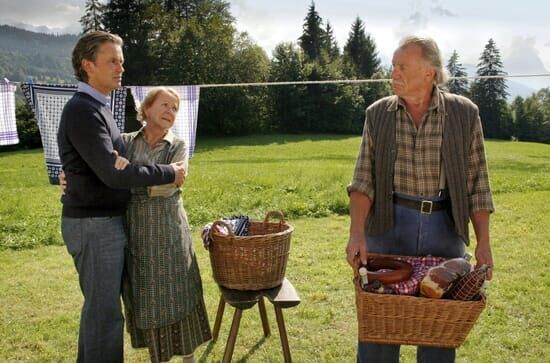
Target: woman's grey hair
[
  {"x": 151, "y": 97},
  {"x": 431, "y": 53},
  {"x": 87, "y": 48}
]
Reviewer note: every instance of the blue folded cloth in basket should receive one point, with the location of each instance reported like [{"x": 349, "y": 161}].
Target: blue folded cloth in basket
[{"x": 239, "y": 226}]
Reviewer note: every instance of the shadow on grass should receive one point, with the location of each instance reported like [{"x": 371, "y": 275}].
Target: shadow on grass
[
  {"x": 252, "y": 350},
  {"x": 520, "y": 167},
  {"x": 6, "y": 151},
  {"x": 204, "y": 356},
  {"x": 299, "y": 157},
  {"x": 208, "y": 143}
]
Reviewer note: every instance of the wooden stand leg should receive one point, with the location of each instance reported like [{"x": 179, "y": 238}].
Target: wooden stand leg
[
  {"x": 219, "y": 316},
  {"x": 232, "y": 336},
  {"x": 282, "y": 333},
  {"x": 263, "y": 315}
]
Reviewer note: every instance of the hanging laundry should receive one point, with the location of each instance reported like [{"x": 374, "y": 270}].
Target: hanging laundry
[
  {"x": 47, "y": 102},
  {"x": 8, "y": 126},
  {"x": 185, "y": 126}
]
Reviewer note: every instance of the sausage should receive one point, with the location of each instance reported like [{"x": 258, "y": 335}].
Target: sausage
[
  {"x": 440, "y": 278},
  {"x": 399, "y": 270}
]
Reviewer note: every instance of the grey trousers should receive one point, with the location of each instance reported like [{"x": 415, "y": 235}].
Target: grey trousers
[
  {"x": 97, "y": 247},
  {"x": 414, "y": 234}
]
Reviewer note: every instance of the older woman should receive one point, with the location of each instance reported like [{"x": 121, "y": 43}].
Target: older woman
[{"x": 162, "y": 293}]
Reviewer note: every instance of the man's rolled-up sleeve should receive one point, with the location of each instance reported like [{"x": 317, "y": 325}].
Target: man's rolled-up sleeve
[
  {"x": 362, "y": 180},
  {"x": 479, "y": 189}
]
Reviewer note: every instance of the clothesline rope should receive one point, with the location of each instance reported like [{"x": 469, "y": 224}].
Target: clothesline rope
[
  {"x": 353, "y": 81},
  {"x": 350, "y": 81}
]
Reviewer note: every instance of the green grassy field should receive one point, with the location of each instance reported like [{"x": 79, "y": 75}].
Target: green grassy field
[{"x": 305, "y": 177}]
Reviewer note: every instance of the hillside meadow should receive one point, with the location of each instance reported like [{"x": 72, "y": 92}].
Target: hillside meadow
[{"x": 305, "y": 177}]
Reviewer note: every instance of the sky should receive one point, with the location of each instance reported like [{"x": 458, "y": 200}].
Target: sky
[{"x": 520, "y": 29}]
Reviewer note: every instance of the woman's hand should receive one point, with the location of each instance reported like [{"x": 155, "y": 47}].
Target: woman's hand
[
  {"x": 120, "y": 162},
  {"x": 62, "y": 182}
]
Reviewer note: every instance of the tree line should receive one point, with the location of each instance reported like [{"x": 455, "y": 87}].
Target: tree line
[{"x": 196, "y": 42}]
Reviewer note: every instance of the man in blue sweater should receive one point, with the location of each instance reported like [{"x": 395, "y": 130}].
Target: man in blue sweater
[{"x": 94, "y": 202}]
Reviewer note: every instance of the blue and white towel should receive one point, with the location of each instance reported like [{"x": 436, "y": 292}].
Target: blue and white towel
[
  {"x": 185, "y": 126},
  {"x": 47, "y": 102},
  {"x": 8, "y": 126},
  {"x": 238, "y": 224}
]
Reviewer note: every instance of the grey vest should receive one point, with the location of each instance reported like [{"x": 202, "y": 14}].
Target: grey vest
[{"x": 460, "y": 116}]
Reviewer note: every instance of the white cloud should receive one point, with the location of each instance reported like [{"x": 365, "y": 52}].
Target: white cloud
[
  {"x": 440, "y": 10},
  {"x": 522, "y": 56},
  {"x": 411, "y": 25},
  {"x": 50, "y": 13}
]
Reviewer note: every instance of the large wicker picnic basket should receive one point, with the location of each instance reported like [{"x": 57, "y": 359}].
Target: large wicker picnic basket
[
  {"x": 411, "y": 320},
  {"x": 253, "y": 262}
]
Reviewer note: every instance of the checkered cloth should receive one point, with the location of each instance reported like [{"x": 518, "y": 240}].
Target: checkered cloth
[
  {"x": 420, "y": 265},
  {"x": 8, "y": 127},
  {"x": 239, "y": 226},
  {"x": 185, "y": 126},
  {"x": 47, "y": 102}
]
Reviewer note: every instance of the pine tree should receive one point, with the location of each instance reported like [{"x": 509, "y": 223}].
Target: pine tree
[
  {"x": 490, "y": 94},
  {"x": 455, "y": 69},
  {"x": 92, "y": 18},
  {"x": 128, "y": 19},
  {"x": 361, "y": 61},
  {"x": 360, "y": 51},
  {"x": 287, "y": 64},
  {"x": 313, "y": 34},
  {"x": 330, "y": 45}
]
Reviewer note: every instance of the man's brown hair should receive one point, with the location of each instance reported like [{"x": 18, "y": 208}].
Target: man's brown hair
[{"x": 87, "y": 48}]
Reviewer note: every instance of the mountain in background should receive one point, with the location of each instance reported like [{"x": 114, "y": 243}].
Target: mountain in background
[
  {"x": 44, "y": 57},
  {"x": 523, "y": 87}
]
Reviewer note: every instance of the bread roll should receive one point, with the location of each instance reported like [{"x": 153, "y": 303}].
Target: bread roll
[{"x": 440, "y": 278}]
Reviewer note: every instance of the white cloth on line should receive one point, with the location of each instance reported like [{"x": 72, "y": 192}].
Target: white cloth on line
[
  {"x": 47, "y": 102},
  {"x": 8, "y": 126},
  {"x": 185, "y": 126}
]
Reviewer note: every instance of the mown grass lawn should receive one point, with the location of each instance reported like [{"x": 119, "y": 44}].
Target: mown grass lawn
[{"x": 305, "y": 177}]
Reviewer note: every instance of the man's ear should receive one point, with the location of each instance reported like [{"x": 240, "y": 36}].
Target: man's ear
[
  {"x": 86, "y": 65},
  {"x": 430, "y": 74}
]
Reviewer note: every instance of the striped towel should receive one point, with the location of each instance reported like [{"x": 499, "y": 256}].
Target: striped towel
[
  {"x": 8, "y": 126},
  {"x": 47, "y": 102},
  {"x": 185, "y": 126}
]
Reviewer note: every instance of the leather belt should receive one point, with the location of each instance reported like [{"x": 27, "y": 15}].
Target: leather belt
[{"x": 424, "y": 206}]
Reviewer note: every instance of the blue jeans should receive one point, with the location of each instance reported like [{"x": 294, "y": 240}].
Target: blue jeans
[
  {"x": 414, "y": 234},
  {"x": 97, "y": 247}
]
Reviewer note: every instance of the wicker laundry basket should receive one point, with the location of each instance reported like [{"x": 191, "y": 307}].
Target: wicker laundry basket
[
  {"x": 410, "y": 320},
  {"x": 253, "y": 262}
]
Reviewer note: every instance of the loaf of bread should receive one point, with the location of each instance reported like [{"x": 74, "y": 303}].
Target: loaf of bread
[{"x": 439, "y": 279}]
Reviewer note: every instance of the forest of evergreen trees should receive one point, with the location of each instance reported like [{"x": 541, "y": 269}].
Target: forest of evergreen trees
[{"x": 196, "y": 42}]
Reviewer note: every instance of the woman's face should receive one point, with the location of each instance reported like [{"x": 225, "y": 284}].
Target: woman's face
[{"x": 162, "y": 112}]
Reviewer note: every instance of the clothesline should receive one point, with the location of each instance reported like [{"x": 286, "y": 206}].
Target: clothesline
[
  {"x": 348, "y": 81},
  {"x": 353, "y": 81}
]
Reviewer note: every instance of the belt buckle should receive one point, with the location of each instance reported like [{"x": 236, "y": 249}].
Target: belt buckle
[{"x": 426, "y": 207}]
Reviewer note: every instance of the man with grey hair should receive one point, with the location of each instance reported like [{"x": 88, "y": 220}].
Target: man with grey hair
[
  {"x": 420, "y": 176},
  {"x": 95, "y": 199}
]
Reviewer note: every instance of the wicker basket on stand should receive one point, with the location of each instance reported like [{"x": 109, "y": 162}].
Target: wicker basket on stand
[
  {"x": 253, "y": 262},
  {"x": 410, "y": 320}
]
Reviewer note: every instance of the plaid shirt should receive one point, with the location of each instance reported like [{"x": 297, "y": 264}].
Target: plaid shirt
[{"x": 417, "y": 164}]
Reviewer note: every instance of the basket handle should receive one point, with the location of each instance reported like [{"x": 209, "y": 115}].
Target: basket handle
[
  {"x": 221, "y": 223},
  {"x": 275, "y": 213}
]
